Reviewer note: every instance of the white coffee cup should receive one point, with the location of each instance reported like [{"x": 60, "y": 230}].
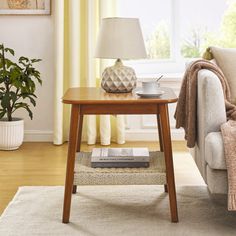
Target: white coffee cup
[{"x": 150, "y": 87}]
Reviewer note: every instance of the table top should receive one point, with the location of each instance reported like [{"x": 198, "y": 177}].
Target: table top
[{"x": 92, "y": 95}]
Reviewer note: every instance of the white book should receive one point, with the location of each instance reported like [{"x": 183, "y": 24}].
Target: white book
[{"x": 120, "y": 155}]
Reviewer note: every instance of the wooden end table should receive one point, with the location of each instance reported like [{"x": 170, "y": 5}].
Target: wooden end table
[{"x": 95, "y": 101}]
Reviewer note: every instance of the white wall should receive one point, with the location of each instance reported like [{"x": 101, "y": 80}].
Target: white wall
[{"x": 32, "y": 36}]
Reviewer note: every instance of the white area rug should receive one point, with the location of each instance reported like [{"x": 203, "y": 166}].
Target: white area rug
[{"x": 116, "y": 210}]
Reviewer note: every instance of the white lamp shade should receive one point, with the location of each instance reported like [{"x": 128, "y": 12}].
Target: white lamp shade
[{"x": 120, "y": 38}]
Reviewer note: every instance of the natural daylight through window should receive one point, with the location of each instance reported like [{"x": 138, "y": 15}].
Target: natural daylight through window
[{"x": 177, "y": 30}]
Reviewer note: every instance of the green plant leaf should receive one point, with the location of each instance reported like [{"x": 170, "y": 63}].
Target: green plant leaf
[
  {"x": 30, "y": 112},
  {"x": 23, "y": 59},
  {"x": 5, "y": 101},
  {"x": 10, "y": 50},
  {"x": 40, "y": 81},
  {"x": 13, "y": 96},
  {"x": 17, "y": 83},
  {"x": 36, "y": 60},
  {"x": 19, "y": 105},
  {"x": 32, "y": 85},
  {"x": 9, "y": 63},
  {"x": 32, "y": 101},
  {"x": 2, "y": 114}
]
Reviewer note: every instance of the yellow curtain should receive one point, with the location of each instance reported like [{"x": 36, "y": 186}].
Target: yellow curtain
[{"x": 76, "y": 26}]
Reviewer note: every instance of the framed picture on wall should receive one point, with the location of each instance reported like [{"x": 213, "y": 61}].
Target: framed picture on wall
[{"x": 25, "y": 7}]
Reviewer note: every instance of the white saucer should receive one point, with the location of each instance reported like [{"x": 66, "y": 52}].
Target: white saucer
[{"x": 149, "y": 95}]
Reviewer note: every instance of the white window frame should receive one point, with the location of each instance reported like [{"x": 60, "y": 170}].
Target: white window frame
[{"x": 148, "y": 68}]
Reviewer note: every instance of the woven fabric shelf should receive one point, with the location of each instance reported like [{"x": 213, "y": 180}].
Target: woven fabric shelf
[{"x": 86, "y": 175}]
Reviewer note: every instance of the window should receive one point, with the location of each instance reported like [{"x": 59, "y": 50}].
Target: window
[
  {"x": 177, "y": 30},
  {"x": 155, "y": 27}
]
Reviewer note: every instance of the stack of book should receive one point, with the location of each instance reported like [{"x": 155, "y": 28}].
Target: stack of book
[{"x": 120, "y": 158}]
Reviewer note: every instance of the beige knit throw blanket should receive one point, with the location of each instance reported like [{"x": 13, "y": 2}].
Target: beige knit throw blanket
[
  {"x": 186, "y": 109},
  {"x": 228, "y": 131},
  {"x": 186, "y": 117}
]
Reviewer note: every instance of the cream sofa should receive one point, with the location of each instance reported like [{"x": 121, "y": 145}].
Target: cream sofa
[{"x": 208, "y": 152}]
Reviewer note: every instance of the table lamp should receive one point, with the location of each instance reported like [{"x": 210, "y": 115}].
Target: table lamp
[{"x": 119, "y": 38}]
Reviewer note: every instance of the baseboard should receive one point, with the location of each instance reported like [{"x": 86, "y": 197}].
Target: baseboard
[
  {"x": 131, "y": 135},
  {"x": 151, "y": 135},
  {"x": 38, "y": 136}
]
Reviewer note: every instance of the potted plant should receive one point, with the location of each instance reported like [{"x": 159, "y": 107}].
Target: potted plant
[{"x": 17, "y": 91}]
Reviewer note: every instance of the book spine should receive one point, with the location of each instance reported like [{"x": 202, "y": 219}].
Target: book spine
[
  {"x": 120, "y": 159},
  {"x": 119, "y": 164}
]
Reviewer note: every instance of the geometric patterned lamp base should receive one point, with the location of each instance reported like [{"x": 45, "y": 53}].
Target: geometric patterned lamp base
[{"x": 118, "y": 78}]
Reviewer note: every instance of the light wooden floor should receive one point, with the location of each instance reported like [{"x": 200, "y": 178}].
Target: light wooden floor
[{"x": 44, "y": 164}]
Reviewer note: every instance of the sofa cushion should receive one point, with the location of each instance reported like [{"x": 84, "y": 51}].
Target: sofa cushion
[
  {"x": 225, "y": 59},
  {"x": 214, "y": 151}
]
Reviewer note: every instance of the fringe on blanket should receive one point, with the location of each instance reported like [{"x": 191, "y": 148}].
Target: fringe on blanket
[
  {"x": 228, "y": 131},
  {"x": 232, "y": 202}
]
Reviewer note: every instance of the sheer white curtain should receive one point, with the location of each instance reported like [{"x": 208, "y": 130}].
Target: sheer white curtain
[{"x": 76, "y": 26}]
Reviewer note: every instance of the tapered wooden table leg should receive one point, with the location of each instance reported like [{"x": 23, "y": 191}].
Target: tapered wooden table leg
[
  {"x": 161, "y": 142},
  {"x": 165, "y": 188},
  {"x": 160, "y": 132},
  {"x": 74, "y": 190},
  {"x": 165, "y": 126},
  {"x": 70, "y": 162},
  {"x": 78, "y": 143}
]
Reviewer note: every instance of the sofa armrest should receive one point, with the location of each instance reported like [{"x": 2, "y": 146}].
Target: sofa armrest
[
  {"x": 211, "y": 105},
  {"x": 210, "y": 114}
]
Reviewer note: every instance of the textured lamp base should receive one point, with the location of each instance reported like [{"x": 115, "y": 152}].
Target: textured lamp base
[{"x": 118, "y": 78}]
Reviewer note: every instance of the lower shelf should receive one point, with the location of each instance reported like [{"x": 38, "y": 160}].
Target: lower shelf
[{"x": 155, "y": 174}]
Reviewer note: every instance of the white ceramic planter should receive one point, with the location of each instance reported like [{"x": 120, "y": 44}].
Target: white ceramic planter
[{"x": 11, "y": 134}]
